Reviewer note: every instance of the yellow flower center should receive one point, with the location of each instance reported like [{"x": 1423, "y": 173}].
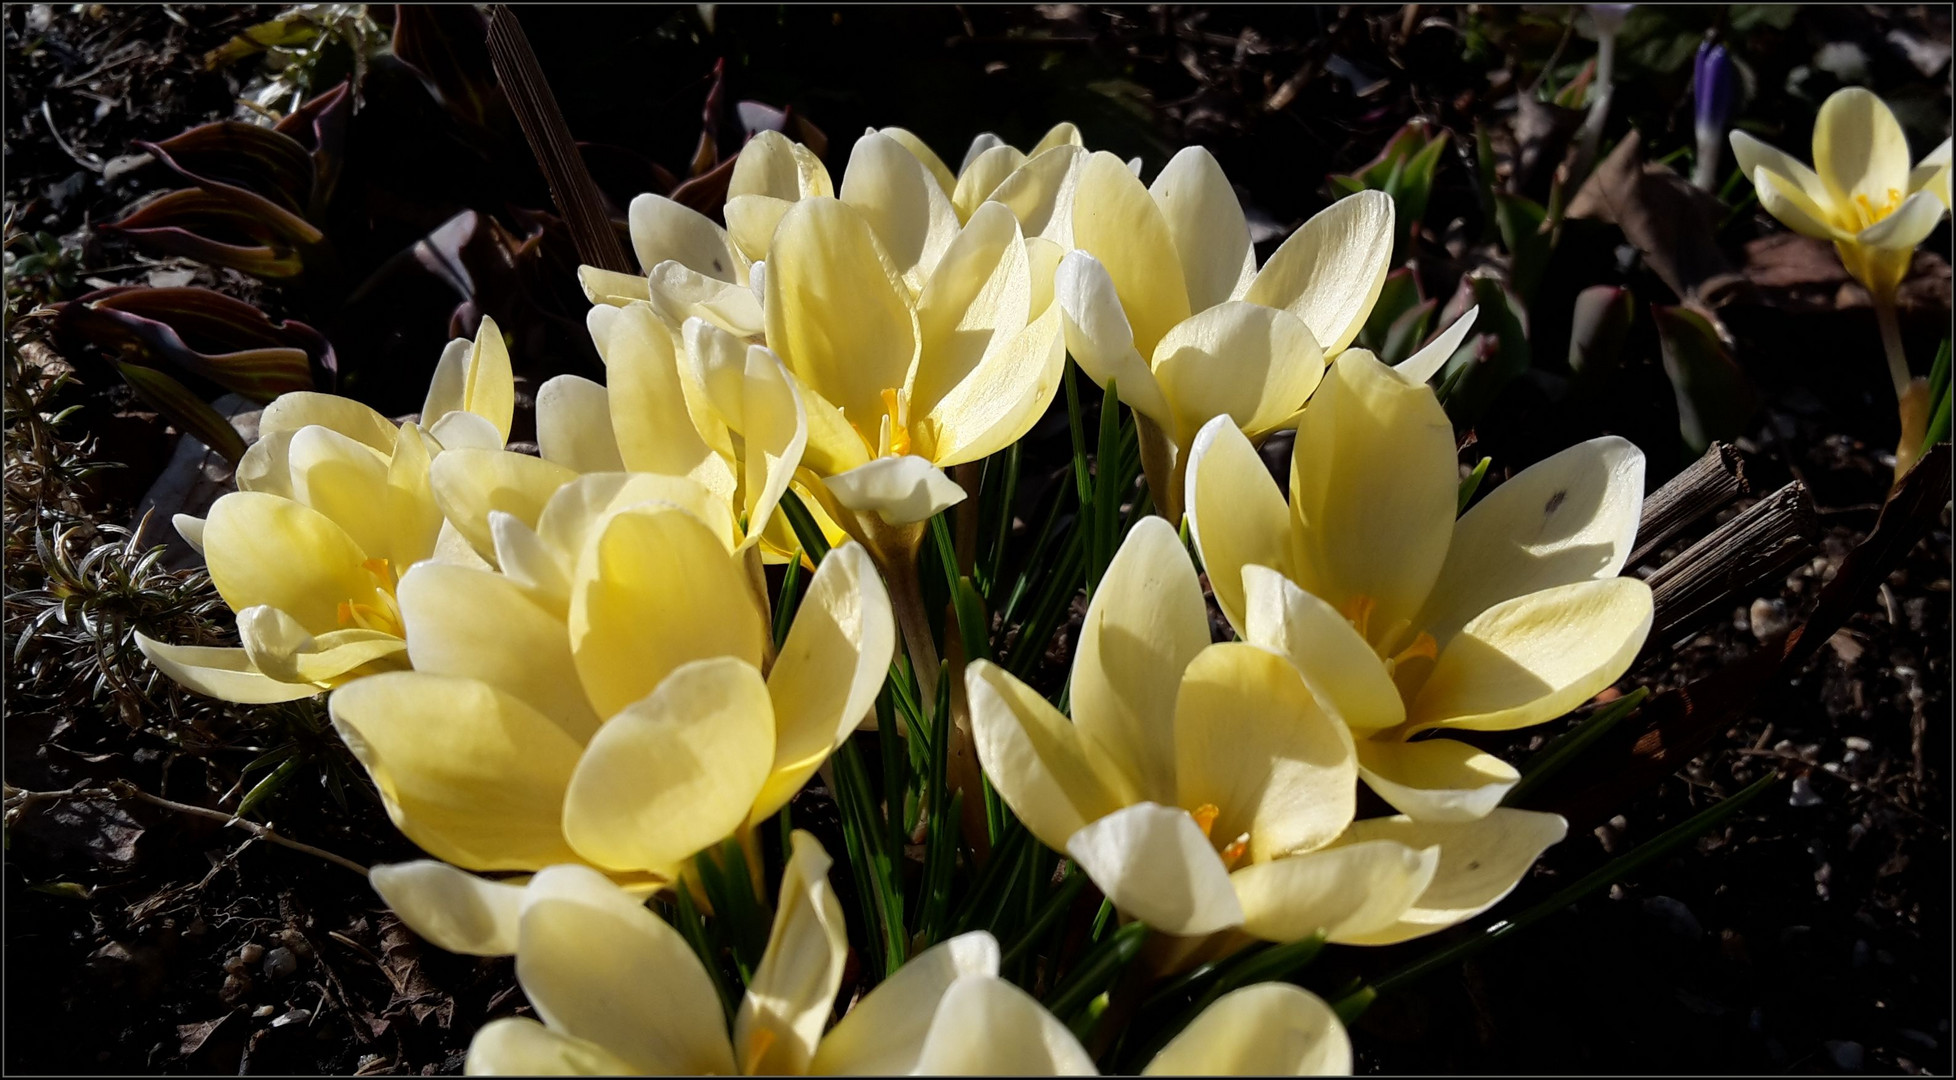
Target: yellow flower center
[
  {"x": 1231, "y": 853},
  {"x": 384, "y": 616},
  {"x": 893, "y": 430},
  {"x": 1408, "y": 655},
  {"x": 1867, "y": 211}
]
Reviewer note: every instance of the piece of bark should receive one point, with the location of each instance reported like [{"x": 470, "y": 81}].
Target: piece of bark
[
  {"x": 1704, "y": 487},
  {"x": 1755, "y": 547}
]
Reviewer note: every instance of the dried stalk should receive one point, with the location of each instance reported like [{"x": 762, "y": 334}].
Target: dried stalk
[
  {"x": 18, "y": 800},
  {"x": 1704, "y": 487},
  {"x": 1760, "y": 544},
  {"x": 576, "y": 194}
]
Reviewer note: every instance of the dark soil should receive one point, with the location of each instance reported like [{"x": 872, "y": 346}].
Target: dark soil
[{"x": 1811, "y": 934}]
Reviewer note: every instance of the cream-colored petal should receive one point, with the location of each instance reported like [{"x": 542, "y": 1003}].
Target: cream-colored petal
[
  {"x": 1043, "y": 259},
  {"x": 480, "y": 625},
  {"x": 982, "y": 176},
  {"x": 678, "y": 293},
  {"x": 837, "y": 314},
  {"x": 262, "y": 549},
  {"x": 985, "y": 1026},
  {"x": 1570, "y": 517},
  {"x": 1117, "y": 222},
  {"x": 1251, "y": 742},
  {"x": 611, "y": 287},
  {"x": 834, "y": 444},
  {"x": 1859, "y": 151},
  {"x": 980, "y": 144},
  {"x": 903, "y": 204},
  {"x": 649, "y": 417},
  {"x": 1266, "y": 1029},
  {"x": 1374, "y": 489},
  {"x": 1909, "y": 225},
  {"x": 1146, "y": 622},
  {"x": 903, "y": 489},
  {"x": 578, "y": 513},
  {"x": 1427, "y": 362},
  {"x": 451, "y": 548},
  {"x": 452, "y": 908},
  {"x": 266, "y": 466},
  {"x": 1344, "y": 892},
  {"x": 1329, "y": 272},
  {"x": 1931, "y": 174},
  {"x": 278, "y": 646},
  {"x": 1480, "y": 862},
  {"x": 793, "y": 990},
  {"x": 1236, "y": 514},
  {"x": 657, "y": 590},
  {"x": 345, "y": 480},
  {"x": 302, "y": 408},
  {"x": 1537, "y": 656},
  {"x": 978, "y": 298},
  {"x": 490, "y": 388},
  {"x": 1040, "y": 763},
  {"x": 1752, "y": 155},
  {"x": 414, "y": 520},
  {"x": 1099, "y": 337},
  {"x": 519, "y": 1046},
  {"x": 774, "y": 165},
  {"x": 468, "y": 484},
  {"x": 462, "y": 430},
  {"x": 471, "y": 773},
  {"x": 828, "y": 672},
  {"x": 191, "y": 528},
  {"x": 574, "y": 425},
  {"x": 599, "y": 966},
  {"x": 884, "y": 1033},
  {"x": 665, "y": 230},
  {"x": 1435, "y": 779},
  {"x": 1343, "y": 673},
  {"x": 531, "y": 564},
  {"x": 1207, "y": 225},
  {"x": 1041, "y": 193},
  {"x": 922, "y": 151},
  {"x": 1256, "y": 365},
  {"x": 751, "y": 223},
  {"x": 1063, "y": 133},
  {"x": 225, "y": 674},
  {"x": 676, "y": 773},
  {"x": 1155, "y": 864},
  {"x": 1002, "y": 398},
  {"x": 271, "y": 639}
]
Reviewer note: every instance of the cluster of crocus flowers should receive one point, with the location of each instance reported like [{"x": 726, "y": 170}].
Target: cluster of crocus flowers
[
  {"x": 1863, "y": 195},
  {"x": 334, "y": 503},
  {"x": 564, "y": 665},
  {"x": 1403, "y": 619},
  {"x": 617, "y": 991},
  {"x": 1207, "y": 788}
]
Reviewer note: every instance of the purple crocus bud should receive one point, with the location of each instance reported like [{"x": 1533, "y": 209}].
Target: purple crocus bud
[{"x": 1715, "y": 83}]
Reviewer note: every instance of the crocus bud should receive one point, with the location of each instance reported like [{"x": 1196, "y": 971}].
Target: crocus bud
[
  {"x": 1609, "y": 17},
  {"x": 1715, "y": 400},
  {"x": 1715, "y": 83},
  {"x": 1600, "y": 323}
]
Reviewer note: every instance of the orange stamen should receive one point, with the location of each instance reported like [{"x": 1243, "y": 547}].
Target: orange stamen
[
  {"x": 1234, "y": 852},
  {"x": 1423, "y": 647},
  {"x": 1205, "y": 816},
  {"x": 1358, "y": 610},
  {"x": 899, "y": 431}
]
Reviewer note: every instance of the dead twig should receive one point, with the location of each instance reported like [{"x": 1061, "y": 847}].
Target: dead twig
[
  {"x": 1704, "y": 487},
  {"x": 1761, "y": 543},
  {"x": 19, "y": 800}
]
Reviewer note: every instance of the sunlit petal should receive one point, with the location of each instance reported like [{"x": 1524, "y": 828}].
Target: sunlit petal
[
  {"x": 1236, "y": 514},
  {"x": 453, "y": 909},
  {"x": 1266, "y": 1029},
  {"x": 1435, "y": 779},
  {"x": 1343, "y": 892},
  {"x": 1256, "y": 365},
  {"x": 1099, "y": 337},
  {"x": 1156, "y": 865},
  {"x": 1117, "y": 222},
  {"x": 1206, "y": 223},
  {"x": 903, "y": 489},
  {"x": 883, "y": 1035},
  {"x": 1342, "y": 671},
  {"x": 1480, "y": 862},
  {"x": 1329, "y": 272},
  {"x": 969, "y": 1035},
  {"x": 793, "y": 990}
]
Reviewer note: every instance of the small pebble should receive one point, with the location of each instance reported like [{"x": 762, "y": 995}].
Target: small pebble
[
  {"x": 234, "y": 965},
  {"x": 252, "y": 953},
  {"x": 280, "y": 963},
  {"x": 294, "y": 940},
  {"x": 1768, "y": 618},
  {"x": 1674, "y": 916},
  {"x": 264, "y": 1010},
  {"x": 295, "y": 1016},
  {"x": 235, "y": 987},
  {"x": 1803, "y": 794}
]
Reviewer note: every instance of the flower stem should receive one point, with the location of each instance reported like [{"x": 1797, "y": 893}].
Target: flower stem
[
  {"x": 907, "y": 598},
  {"x": 1158, "y": 463},
  {"x": 1891, "y": 343}
]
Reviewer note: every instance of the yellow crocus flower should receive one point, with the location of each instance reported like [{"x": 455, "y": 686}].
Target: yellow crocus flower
[
  {"x": 601, "y": 700},
  {"x": 988, "y": 163},
  {"x": 619, "y": 992},
  {"x": 1403, "y": 619},
  {"x": 1204, "y": 788},
  {"x": 1862, "y": 195},
  {"x": 1161, "y": 292},
  {"x": 900, "y": 385},
  {"x": 334, "y": 504}
]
